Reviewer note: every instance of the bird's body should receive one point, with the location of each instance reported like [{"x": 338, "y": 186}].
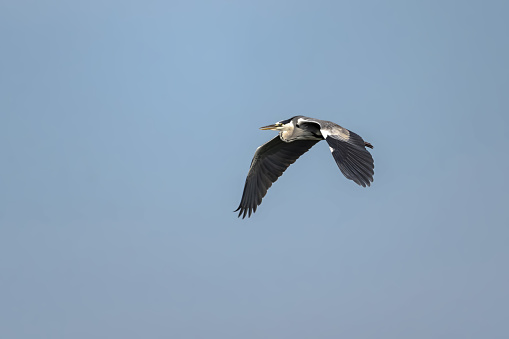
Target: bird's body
[{"x": 296, "y": 136}]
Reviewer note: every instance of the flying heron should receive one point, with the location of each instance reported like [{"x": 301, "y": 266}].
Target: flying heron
[{"x": 296, "y": 136}]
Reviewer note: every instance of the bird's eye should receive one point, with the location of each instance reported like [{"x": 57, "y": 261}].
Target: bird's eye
[{"x": 297, "y": 126}]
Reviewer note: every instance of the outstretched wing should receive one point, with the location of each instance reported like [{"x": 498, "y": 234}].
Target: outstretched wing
[
  {"x": 269, "y": 162},
  {"x": 349, "y": 151}
]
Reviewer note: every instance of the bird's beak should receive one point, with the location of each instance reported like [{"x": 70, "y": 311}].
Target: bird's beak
[{"x": 272, "y": 127}]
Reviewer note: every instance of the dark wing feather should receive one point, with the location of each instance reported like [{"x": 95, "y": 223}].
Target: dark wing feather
[
  {"x": 352, "y": 158},
  {"x": 269, "y": 162}
]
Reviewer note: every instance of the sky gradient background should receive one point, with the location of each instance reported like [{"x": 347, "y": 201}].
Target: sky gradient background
[{"x": 127, "y": 129}]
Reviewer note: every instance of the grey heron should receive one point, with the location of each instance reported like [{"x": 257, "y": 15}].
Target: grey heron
[{"x": 296, "y": 136}]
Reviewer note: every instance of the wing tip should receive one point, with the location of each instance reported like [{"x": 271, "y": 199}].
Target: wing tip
[{"x": 243, "y": 211}]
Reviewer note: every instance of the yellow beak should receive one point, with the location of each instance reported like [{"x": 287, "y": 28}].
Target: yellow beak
[{"x": 271, "y": 127}]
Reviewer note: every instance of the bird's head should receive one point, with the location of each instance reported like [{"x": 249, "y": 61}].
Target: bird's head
[{"x": 279, "y": 126}]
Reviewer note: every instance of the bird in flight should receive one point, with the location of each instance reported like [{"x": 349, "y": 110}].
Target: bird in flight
[{"x": 296, "y": 136}]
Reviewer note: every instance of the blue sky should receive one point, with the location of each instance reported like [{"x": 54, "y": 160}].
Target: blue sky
[{"x": 127, "y": 129}]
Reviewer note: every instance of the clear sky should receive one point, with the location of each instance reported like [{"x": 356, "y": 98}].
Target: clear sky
[{"x": 127, "y": 129}]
